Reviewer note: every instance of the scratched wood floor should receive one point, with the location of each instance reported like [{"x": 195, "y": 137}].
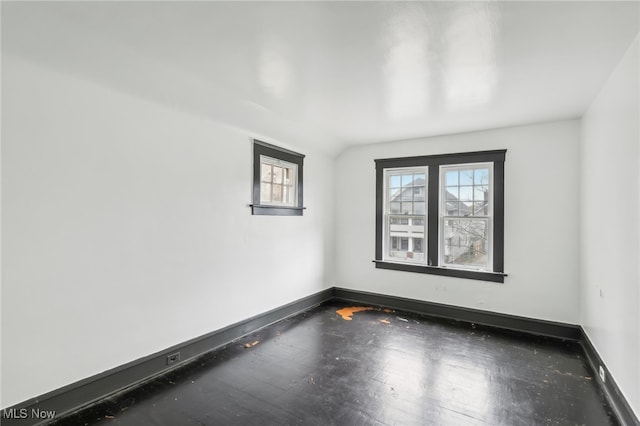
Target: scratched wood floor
[{"x": 379, "y": 368}]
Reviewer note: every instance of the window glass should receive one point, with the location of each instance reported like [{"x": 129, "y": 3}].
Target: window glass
[
  {"x": 394, "y": 181},
  {"x": 266, "y": 173},
  {"x": 277, "y": 182},
  {"x": 276, "y": 193},
  {"x": 451, "y": 178},
  {"x": 466, "y": 242},
  {"x": 466, "y": 177},
  {"x": 277, "y": 174}
]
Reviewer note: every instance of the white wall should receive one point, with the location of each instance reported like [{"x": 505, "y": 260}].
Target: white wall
[
  {"x": 610, "y": 248},
  {"x": 541, "y": 226},
  {"x": 126, "y": 230}
]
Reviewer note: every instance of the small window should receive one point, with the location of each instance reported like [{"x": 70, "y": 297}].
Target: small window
[{"x": 277, "y": 181}]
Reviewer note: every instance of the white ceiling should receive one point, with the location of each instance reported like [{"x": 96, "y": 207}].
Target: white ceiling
[{"x": 338, "y": 74}]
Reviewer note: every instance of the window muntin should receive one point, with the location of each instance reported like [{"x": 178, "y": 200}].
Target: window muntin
[
  {"x": 466, "y": 216},
  {"x": 405, "y": 214}
]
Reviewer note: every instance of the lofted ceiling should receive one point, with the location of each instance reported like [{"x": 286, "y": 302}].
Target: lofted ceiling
[{"x": 337, "y": 74}]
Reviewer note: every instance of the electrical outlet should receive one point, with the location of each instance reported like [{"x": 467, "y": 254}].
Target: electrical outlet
[
  {"x": 602, "y": 375},
  {"x": 173, "y": 358}
]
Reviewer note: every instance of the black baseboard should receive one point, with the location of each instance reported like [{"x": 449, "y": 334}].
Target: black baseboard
[
  {"x": 618, "y": 402},
  {"x": 475, "y": 316},
  {"x": 87, "y": 391}
]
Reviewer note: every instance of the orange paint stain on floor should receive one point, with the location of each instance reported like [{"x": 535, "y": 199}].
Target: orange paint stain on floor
[{"x": 347, "y": 313}]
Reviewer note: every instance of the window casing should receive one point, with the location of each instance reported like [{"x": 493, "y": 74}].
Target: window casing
[
  {"x": 277, "y": 181},
  {"x": 442, "y": 214}
]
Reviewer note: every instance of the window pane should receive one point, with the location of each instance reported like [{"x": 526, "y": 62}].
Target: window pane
[
  {"x": 481, "y": 177},
  {"x": 466, "y": 242},
  {"x": 466, "y": 193},
  {"x": 265, "y": 175},
  {"x": 418, "y": 179},
  {"x": 418, "y": 208},
  {"x": 265, "y": 193},
  {"x": 466, "y": 177},
  {"x": 404, "y": 244},
  {"x": 277, "y": 193},
  {"x": 288, "y": 176},
  {"x": 480, "y": 193},
  {"x": 394, "y": 194},
  {"x": 452, "y": 193},
  {"x": 451, "y": 178},
  {"x": 287, "y": 195},
  {"x": 394, "y": 207},
  {"x": 418, "y": 193},
  {"x": 466, "y": 209},
  {"x": 407, "y": 194},
  {"x": 406, "y": 208},
  {"x": 452, "y": 208},
  {"x": 481, "y": 208},
  {"x": 407, "y": 180},
  {"x": 277, "y": 174},
  {"x": 394, "y": 182}
]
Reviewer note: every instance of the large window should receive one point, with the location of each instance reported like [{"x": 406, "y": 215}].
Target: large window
[
  {"x": 442, "y": 214},
  {"x": 277, "y": 181}
]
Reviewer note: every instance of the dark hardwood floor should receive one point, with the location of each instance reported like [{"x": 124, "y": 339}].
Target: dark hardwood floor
[{"x": 380, "y": 368}]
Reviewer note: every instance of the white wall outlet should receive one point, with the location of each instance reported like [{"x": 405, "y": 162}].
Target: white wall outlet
[{"x": 602, "y": 375}]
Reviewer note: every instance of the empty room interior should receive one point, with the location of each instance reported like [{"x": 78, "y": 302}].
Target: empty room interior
[{"x": 349, "y": 213}]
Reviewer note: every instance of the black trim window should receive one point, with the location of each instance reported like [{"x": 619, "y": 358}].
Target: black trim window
[
  {"x": 442, "y": 214},
  {"x": 277, "y": 181}
]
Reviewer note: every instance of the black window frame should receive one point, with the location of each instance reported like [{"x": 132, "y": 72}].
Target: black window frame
[
  {"x": 433, "y": 162},
  {"x": 262, "y": 148}
]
